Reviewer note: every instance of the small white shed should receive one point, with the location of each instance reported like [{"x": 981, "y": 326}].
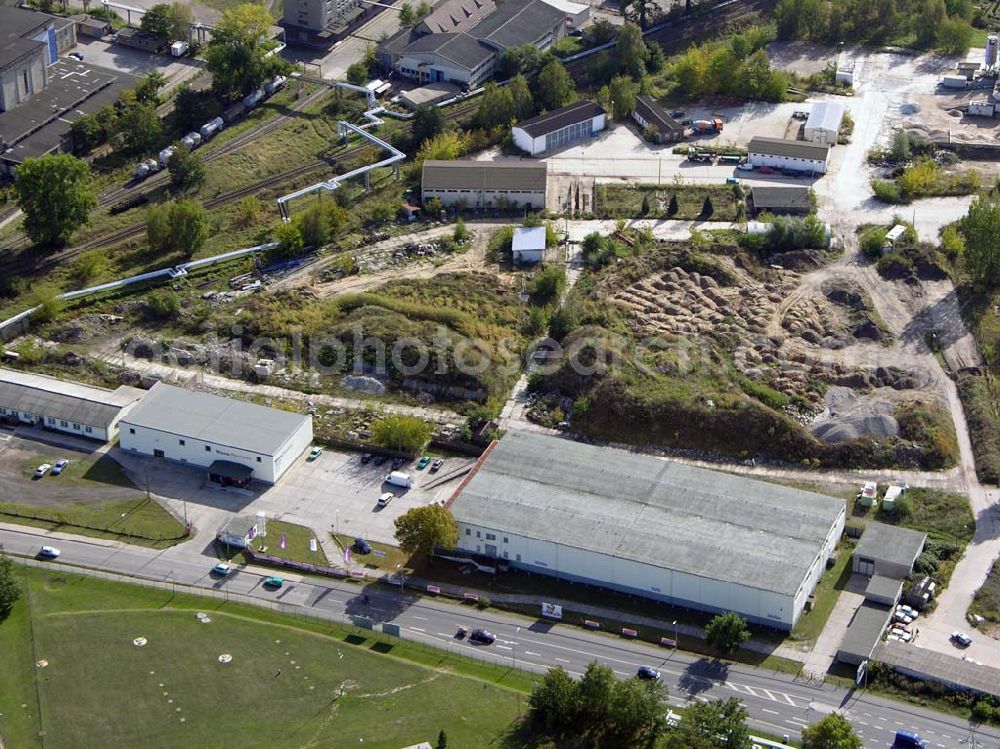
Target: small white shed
[
  {"x": 529, "y": 244},
  {"x": 824, "y": 121}
]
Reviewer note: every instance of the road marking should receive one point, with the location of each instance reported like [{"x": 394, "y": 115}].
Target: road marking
[
  {"x": 444, "y": 634},
  {"x": 879, "y": 717},
  {"x": 420, "y": 618},
  {"x": 946, "y": 736},
  {"x": 504, "y": 647},
  {"x": 563, "y": 660},
  {"x": 898, "y": 722},
  {"x": 868, "y": 715},
  {"x": 417, "y": 629},
  {"x": 701, "y": 698},
  {"x": 537, "y": 655},
  {"x": 940, "y": 745},
  {"x": 773, "y": 712},
  {"x": 863, "y": 723}
]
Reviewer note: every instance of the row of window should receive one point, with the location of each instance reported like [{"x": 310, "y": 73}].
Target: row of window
[
  {"x": 52, "y": 421},
  {"x": 489, "y": 536}
]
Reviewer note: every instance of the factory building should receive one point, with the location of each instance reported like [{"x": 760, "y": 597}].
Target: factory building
[
  {"x": 235, "y": 440},
  {"x": 485, "y": 184},
  {"x": 70, "y": 407},
  {"x": 559, "y": 128},
  {"x": 648, "y": 527},
  {"x": 796, "y": 155}
]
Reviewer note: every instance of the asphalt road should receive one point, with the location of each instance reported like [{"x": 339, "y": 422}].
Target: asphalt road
[{"x": 778, "y": 703}]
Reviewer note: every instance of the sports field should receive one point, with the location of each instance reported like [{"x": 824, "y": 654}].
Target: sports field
[{"x": 285, "y": 686}]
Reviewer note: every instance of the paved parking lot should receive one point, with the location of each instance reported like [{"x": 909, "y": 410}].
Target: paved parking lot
[
  {"x": 122, "y": 59},
  {"x": 335, "y": 493}
]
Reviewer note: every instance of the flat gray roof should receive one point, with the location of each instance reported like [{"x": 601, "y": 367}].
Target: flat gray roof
[
  {"x": 212, "y": 418},
  {"x": 933, "y": 666},
  {"x": 798, "y": 149},
  {"x": 61, "y": 399},
  {"x": 883, "y": 587},
  {"x": 890, "y": 543},
  {"x": 661, "y": 513},
  {"x": 460, "y": 49},
  {"x": 18, "y": 25},
  {"x": 781, "y": 196},
  {"x": 864, "y": 630},
  {"x": 484, "y": 175}
]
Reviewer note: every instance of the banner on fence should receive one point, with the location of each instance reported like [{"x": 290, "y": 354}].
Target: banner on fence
[
  {"x": 626, "y": 632},
  {"x": 551, "y": 611},
  {"x": 471, "y": 596},
  {"x": 668, "y": 643},
  {"x": 591, "y": 623},
  {"x": 433, "y": 589}
]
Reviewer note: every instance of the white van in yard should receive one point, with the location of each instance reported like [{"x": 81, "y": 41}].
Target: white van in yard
[{"x": 398, "y": 478}]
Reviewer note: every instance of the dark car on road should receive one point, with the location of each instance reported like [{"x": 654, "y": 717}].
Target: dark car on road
[
  {"x": 482, "y": 635},
  {"x": 648, "y": 673}
]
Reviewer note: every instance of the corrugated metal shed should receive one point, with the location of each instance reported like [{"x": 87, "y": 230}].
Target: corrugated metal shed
[
  {"x": 70, "y": 401},
  {"x": 657, "y": 512},
  {"x": 826, "y": 115},
  {"x": 557, "y": 119},
  {"x": 484, "y": 175},
  {"x": 890, "y": 543},
  {"x": 930, "y": 665}
]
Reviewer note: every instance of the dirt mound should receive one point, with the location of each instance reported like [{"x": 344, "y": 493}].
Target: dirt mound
[{"x": 850, "y": 416}]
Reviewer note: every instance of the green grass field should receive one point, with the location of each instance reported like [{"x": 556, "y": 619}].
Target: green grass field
[
  {"x": 290, "y": 683},
  {"x": 834, "y": 580},
  {"x": 101, "y": 469},
  {"x": 296, "y": 543}
]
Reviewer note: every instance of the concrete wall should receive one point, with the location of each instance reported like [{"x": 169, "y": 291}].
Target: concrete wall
[
  {"x": 526, "y": 143},
  {"x": 22, "y": 80},
  {"x": 818, "y": 565},
  {"x": 192, "y": 451},
  {"x": 882, "y": 567},
  {"x": 550, "y": 558}
]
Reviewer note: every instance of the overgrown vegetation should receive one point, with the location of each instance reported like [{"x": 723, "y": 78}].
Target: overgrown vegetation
[
  {"x": 986, "y": 602},
  {"x": 680, "y": 201}
]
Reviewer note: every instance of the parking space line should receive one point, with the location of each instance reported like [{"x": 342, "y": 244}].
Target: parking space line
[
  {"x": 772, "y": 712},
  {"x": 417, "y": 629}
]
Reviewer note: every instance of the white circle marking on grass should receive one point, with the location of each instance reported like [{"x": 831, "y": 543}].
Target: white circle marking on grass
[
  {"x": 225, "y": 658},
  {"x": 139, "y": 642},
  {"x": 41, "y": 663}
]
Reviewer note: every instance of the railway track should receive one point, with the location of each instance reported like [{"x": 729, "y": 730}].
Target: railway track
[{"x": 129, "y": 232}]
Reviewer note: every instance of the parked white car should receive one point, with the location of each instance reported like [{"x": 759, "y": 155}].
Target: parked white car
[{"x": 42, "y": 470}]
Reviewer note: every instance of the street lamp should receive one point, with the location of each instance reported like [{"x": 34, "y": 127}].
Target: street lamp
[
  {"x": 676, "y": 640},
  {"x": 399, "y": 574}
]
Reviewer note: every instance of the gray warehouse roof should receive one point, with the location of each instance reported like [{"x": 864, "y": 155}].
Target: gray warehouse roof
[
  {"x": 557, "y": 119},
  {"x": 652, "y": 112},
  {"x": 212, "y": 418},
  {"x": 653, "y": 511},
  {"x": 890, "y": 543},
  {"x": 933, "y": 666},
  {"x": 826, "y": 115},
  {"x": 781, "y": 197},
  {"x": 863, "y": 632},
  {"x": 70, "y": 401},
  {"x": 883, "y": 587},
  {"x": 798, "y": 149},
  {"x": 459, "y": 49},
  {"x": 15, "y": 39},
  {"x": 517, "y": 22},
  {"x": 484, "y": 175},
  {"x": 455, "y": 15}
]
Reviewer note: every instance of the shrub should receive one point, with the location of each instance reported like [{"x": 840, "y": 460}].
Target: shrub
[
  {"x": 548, "y": 284},
  {"x": 886, "y": 191},
  {"x": 162, "y": 304}
]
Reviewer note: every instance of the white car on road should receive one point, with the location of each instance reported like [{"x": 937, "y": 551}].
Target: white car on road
[{"x": 49, "y": 552}]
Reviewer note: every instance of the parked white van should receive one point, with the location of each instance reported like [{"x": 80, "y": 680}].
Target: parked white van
[{"x": 398, "y": 478}]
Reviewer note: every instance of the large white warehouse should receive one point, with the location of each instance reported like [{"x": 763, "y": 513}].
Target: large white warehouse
[
  {"x": 648, "y": 527},
  {"x": 558, "y": 128},
  {"x": 235, "y": 440},
  {"x": 779, "y": 153},
  {"x": 71, "y": 407}
]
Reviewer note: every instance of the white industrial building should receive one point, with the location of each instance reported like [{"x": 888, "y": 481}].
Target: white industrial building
[
  {"x": 778, "y": 153},
  {"x": 485, "y": 184},
  {"x": 558, "y": 128},
  {"x": 650, "y": 527},
  {"x": 823, "y": 125},
  {"x": 577, "y": 14},
  {"x": 528, "y": 244},
  {"x": 71, "y": 407},
  {"x": 235, "y": 440}
]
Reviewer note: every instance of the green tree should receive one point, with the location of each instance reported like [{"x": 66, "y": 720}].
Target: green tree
[
  {"x": 179, "y": 226},
  {"x": 193, "y": 108},
  {"x": 642, "y": 11},
  {"x": 442, "y": 742},
  {"x": 10, "y": 586},
  {"x": 462, "y": 232},
  {"x": 427, "y": 122},
  {"x": 555, "y": 87},
  {"x": 521, "y": 98},
  {"x": 357, "y": 73},
  {"x": 928, "y": 22},
  {"x": 162, "y": 304},
  {"x": 237, "y": 57},
  {"x": 405, "y": 434},
  {"x": 45, "y": 298},
  {"x": 407, "y": 16},
  {"x": 720, "y": 723},
  {"x": 314, "y": 223},
  {"x": 444, "y": 146},
  {"x": 547, "y": 284},
  {"x": 707, "y": 209},
  {"x": 955, "y": 36},
  {"x": 622, "y": 91},
  {"x": 524, "y": 58},
  {"x": 637, "y": 712},
  {"x": 170, "y": 22},
  {"x": 632, "y": 51},
  {"x": 726, "y": 632},
  {"x": 139, "y": 126},
  {"x": 834, "y": 731},
  {"x": 147, "y": 90},
  {"x": 421, "y": 529},
  {"x": 87, "y": 133},
  {"x": 552, "y": 704},
  {"x": 289, "y": 239},
  {"x": 55, "y": 194},
  {"x": 186, "y": 168},
  {"x": 496, "y": 107},
  {"x": 656, "y": 60},
  {"x": 673, "y": 207},
  {"x": 981, "y": 227},
  {"x": 564, "y": 321},
  {"x": 90, "y": 265}
]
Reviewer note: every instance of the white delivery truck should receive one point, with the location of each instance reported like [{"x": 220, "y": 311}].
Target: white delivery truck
[{"x": 398, "y": 478}]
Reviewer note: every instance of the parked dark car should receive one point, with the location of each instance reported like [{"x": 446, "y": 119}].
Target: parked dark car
[
  {"x": 366, "y": 457},
  {"x": 362, "y": 547},
  {"x": 378, "y": 460},
  {"x": 397, "y": 463}
]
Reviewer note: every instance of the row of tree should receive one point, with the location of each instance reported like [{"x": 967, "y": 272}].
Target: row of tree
[
  {"x": 944, "y": 24},
  {"x": 740, "y": 68}
]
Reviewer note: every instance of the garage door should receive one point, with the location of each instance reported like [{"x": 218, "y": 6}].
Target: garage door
[{"x": 866, "y": 567}]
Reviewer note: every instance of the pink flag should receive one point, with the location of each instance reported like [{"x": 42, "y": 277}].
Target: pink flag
[
  {"x": 284, "y": 541},
  {"x": 347, "y": 555}
]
